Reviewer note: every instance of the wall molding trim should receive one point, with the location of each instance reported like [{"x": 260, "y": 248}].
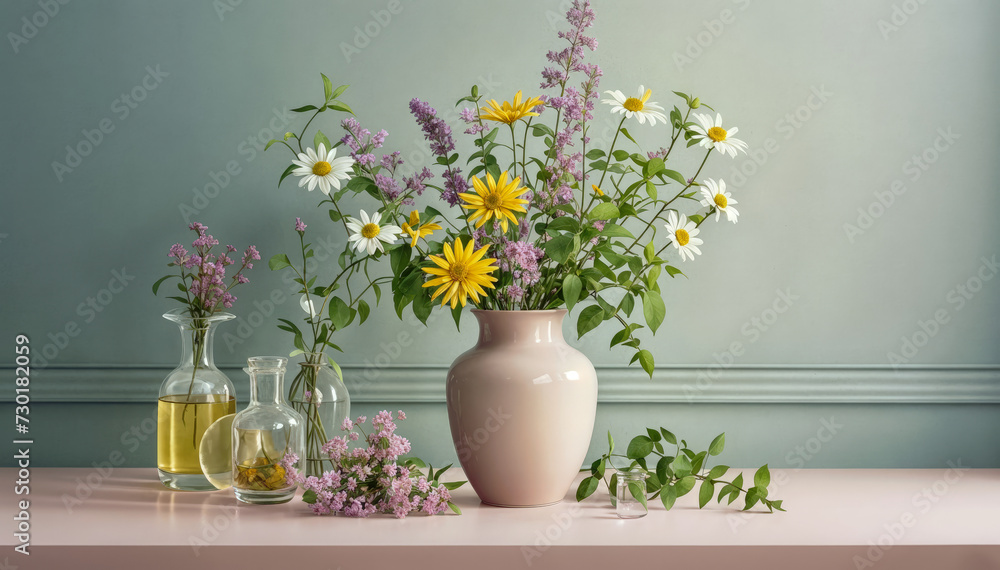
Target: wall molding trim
[{"x": 677, "y": 384}]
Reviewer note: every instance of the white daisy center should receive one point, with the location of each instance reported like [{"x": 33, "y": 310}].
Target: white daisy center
[
  {"x": 717, "y": 134},
  {"x": 492, "y": 201},
  {"x": 682, "y": 236},
  {"x": 369, "y": 231},
  {"x": 322, "y": 168},
  {"x": 458, "y": 271},
  {"x": 633, "y": 104},
  {"x": 721, "y": 201}
]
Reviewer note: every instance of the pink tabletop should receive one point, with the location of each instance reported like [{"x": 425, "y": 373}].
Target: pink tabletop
[{"x": 946, "y": 518}]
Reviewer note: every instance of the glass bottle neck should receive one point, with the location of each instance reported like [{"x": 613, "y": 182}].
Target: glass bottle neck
[
  {"x": 197, "y": 345},
  {"x": 266, "y": 386}
]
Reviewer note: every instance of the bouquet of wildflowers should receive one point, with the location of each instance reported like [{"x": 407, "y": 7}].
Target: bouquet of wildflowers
[
  {"x": 202, "y": 280},
  {"x": 544, "y": 218},
  {"x": 369, "y": 480}
]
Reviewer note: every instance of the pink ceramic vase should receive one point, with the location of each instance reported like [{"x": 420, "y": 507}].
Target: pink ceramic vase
[{"x": 522, "y": 404}]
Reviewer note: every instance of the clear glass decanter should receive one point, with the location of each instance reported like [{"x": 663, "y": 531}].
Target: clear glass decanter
[{"x": 263, "y": 434}]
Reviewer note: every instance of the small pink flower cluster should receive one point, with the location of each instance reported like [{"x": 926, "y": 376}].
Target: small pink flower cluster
[
  {"x": 369, "y": 480},
  {"x": 207, "y": 288}
]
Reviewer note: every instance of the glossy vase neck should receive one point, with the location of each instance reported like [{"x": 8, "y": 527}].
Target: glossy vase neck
[
  {"x": 197, "y": 338},
  {"x": 520, "y": 327},
  {"x": 267, "y": 375}
]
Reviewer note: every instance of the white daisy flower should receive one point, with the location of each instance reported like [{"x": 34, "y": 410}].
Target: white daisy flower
[
  {"x": 681, "y": 232},
  {"x": 715, "y": 195},
  {"x": 638, "y": 106},
  {"x": 711, "y": 135},
  {"x": 369, "y": 235},
  {"x": 322, "y": 168}
]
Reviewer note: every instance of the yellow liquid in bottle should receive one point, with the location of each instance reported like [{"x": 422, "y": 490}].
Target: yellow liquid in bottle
[{"x": 181, "y": 421}]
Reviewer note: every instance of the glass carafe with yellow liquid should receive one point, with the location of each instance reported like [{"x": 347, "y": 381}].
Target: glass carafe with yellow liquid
[{"x": 192, "y": 397}]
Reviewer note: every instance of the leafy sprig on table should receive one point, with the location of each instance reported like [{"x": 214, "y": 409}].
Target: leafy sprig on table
[{"x": 674, "y": 476}]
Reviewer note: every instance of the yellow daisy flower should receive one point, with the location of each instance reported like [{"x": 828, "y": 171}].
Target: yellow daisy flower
[
  {"x": 461, "y": 273},
  {"x": 495, "y": 198},
  {"x": 508, "y": 113},
  {"x": 416, "y": 230}
]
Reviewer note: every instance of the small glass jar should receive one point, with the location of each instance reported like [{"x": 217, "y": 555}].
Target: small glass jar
[
  {"x": 264, "y": 434},
  {"x": 631, "y": 484}
]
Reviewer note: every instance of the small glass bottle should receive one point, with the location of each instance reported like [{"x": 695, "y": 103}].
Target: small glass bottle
[
  {"x": 263, "y": 434},
  {"x": 631, "y": 484}
]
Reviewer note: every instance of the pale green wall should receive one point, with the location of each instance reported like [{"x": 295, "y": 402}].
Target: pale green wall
[{"x": 887, "y": 94}]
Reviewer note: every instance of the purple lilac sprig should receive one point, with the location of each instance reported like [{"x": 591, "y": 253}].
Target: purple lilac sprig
[
  {"x": 573, "y": 106},
  {"x": 438, "y": 134},
  {"x": 382, "y": 170},
  {"x": 203, "y": 273},
  {"x": 370, "y": 480}
]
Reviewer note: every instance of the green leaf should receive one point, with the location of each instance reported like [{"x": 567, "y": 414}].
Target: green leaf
[
  {"x": 597, "y": 468},
  {"x": 559, "y": 248},
  {"x": 572, "y": 285},
  {"x": 327, "y": 87},
  {"x": 336, "y": 367},
  {"x": 668, "y": 436},
  {"x": 604, "y": 211},
  {"x": 613, "y": 489},
  {"x": 639, "y": 447},
  {"x": 668, "y": 496},
  {"x": 338, "y": 92},
  {"x": 649, "y": 252},
  {"x": 454, "y": 508},
  {"x": 676, "y": 176},
  {"x": 681, "y": 465},
  {"x": 762, "y": 478},
  {"x": 320, "y": 139},
  {"x": 304, "y": 108},
  {"x": 338, "y": 106},
  {"x": 594, "y": 154},
  {"x": 363, "y": 311},
  {"x": 587, "y": 488},
  {"x": 663, "y": 471},
  {"x": 653, "y": 309},
  {"x": 718, "y": 471},
  {"x": 614, "y": 230},
  {"x": 653, "y": 434},
  {"x": 309, "y": 497},
  {"x": 590, "y": 317},
  {"x": 652, "y": 167},
  {"x": 159, "y": 281},
  {"x": 671, "y": 270},
  {"x": 628, "y": 136},
  {"x": 286, "y": 173},
  {"x": 718, "y": 444},
  {"x": 706, "y": 493},
  {"x": 279, "y": 261},
  {"x": 340, "y": 313},
  {"x": 647, "y": 362},
  {"x": 566, "y": 223},
  {"x": 399, "y": 258},
  {"x": 651, "y": 190},
  {"x": 685, "y": 485},
  {"x": 753, "y": 495},
  {"x": 636, "y": 490},
  {"x": 611, "y": 442},
  {"x": 335, "y": 216}
]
